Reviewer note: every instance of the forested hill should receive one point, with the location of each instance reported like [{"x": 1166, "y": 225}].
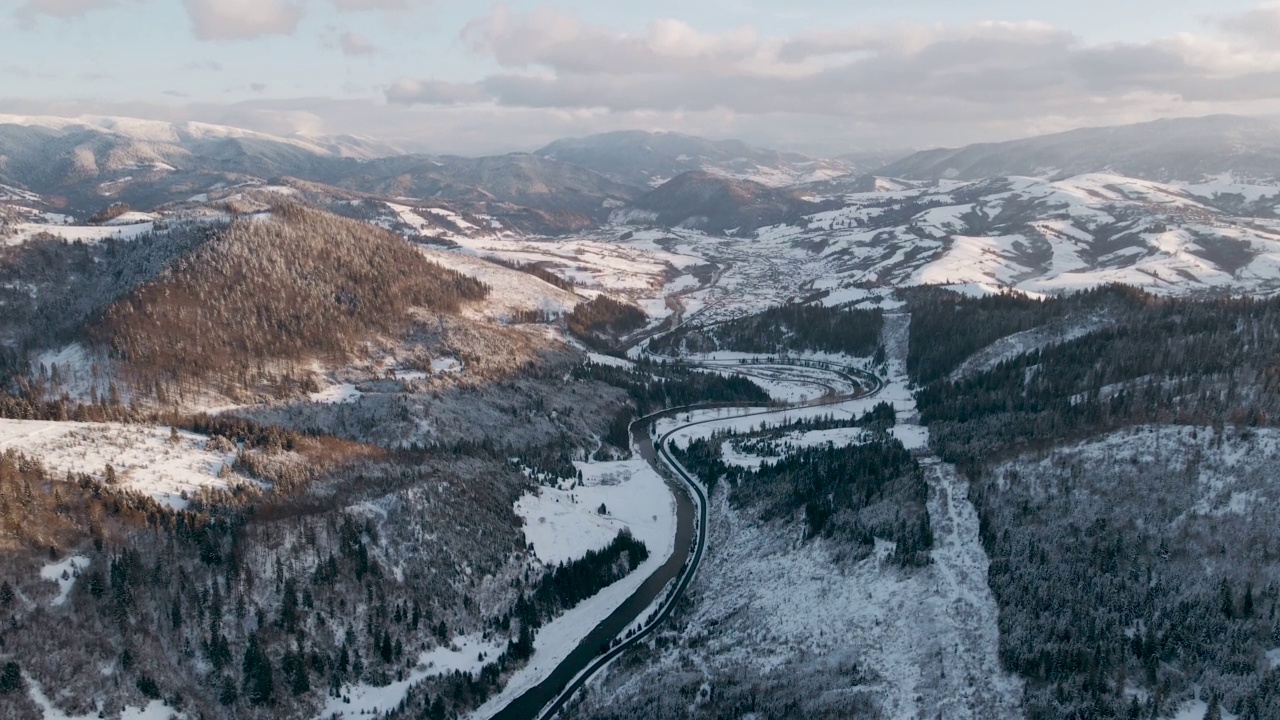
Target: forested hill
[
  {"x": 229, "y": 308},
  {"x": 1120, "y": 450},
  {"x": 298, "y": 284},
  {"x": 799, "y": 328},
  {"x": 1155, "y": 360}
]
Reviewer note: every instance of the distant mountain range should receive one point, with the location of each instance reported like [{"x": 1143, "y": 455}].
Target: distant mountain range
[
  {"x": 1179, "y": 150},
  {"x": 1191, "y": 201},
  {"x": 79, "y": 165},
  {"x": 634, "y": 157}
]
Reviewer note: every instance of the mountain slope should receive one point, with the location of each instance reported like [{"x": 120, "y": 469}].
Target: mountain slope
[
  {"x": 297, "y": 285},
  {"x": 643, "y": 158},
  {"x": 528, "y": 192},
  {"x": 1189, "y": 150},
  {"x": 715, "y": 204}
]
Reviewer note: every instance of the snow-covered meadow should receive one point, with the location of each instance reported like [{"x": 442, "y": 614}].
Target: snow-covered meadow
[
  {"x": 464, "y": 654},
  {"x": 143, "y": 458},
  {"x": 565, "y": 523}
]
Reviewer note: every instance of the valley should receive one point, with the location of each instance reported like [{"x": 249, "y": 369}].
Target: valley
[{"x": 633, "y": 426}]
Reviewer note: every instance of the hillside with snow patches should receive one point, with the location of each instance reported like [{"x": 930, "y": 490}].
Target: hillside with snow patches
[
  {"x": 1049, "y": 230},
  {"x": 496, "y": 376}
]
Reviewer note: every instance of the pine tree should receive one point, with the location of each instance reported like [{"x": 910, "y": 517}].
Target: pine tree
[
  {"x": 10, "y": 678},
  {"x": 228, "y": 695},
  {"x": 258, "y": 684},
  {"x": 385, "y": 648},
  {"x": 1214, "y": 711}
]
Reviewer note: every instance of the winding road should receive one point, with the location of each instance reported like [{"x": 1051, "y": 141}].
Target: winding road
[{"x": 607, "y": 641}]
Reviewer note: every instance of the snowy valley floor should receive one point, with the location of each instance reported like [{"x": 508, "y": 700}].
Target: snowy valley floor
[{"x": 818, "y": 633}]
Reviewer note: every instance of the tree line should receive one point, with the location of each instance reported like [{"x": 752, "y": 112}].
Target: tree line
[{"x": 786, "y": 328}]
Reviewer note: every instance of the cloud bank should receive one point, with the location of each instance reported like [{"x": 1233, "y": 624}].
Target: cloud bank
[{"x": 985, "y": 71}]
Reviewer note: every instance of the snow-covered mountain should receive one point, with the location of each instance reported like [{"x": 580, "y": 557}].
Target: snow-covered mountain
[
  {"x": 1173, "y": 150},
  {"x": 1176, "y": 206},
  {"x": 715, "y": 203},
  {"x": 1030, "y": 234},
  {"x": 644, "y": 158}
]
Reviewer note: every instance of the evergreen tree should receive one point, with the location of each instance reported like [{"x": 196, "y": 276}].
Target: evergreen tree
[
  {"x": 1214, "y": 711},
  {"x": 10, "y": 678},
  {"x": 228, "y": 694},
  {"x": 257, "y": 683}
]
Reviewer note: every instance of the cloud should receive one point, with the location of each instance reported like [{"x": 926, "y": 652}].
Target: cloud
[
  {"x": 31, "y": 9},
  {"x": 434, "y": 92},
  {"x": 559, "y": 41},
  {"x": 983, "y": 72},
  {"x": 229, "y": 20},
  {"x": 1260, "y": 24},
  {"x": 354, "y": 44}
]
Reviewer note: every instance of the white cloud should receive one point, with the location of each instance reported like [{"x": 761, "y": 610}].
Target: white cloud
[
  {"x": 354, "y": 44},
  {"x": 225, "y": 20},
  {"x": 824, "y": 90},
  {"x": 434, "y": 92},
  {"x": 1260, "y": 25},
  {"x": 979, "y": 72}
]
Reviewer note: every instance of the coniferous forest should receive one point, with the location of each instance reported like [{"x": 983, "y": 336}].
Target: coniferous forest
[
  {"x": 854, "y": 493},
  {"x": 1093, "y": 460},
  {"x": 787, "y": 328}
]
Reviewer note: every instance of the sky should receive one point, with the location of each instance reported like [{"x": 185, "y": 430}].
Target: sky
[{"x": 822, "y": 77}]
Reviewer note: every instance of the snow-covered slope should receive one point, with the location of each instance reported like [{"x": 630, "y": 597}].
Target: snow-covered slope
[
  {"x": 181, "y": 133},
  {"x": 644, "y": 158},
  {"x": 1182, "y": 149},
  {"x": 169, "y": 467},
  {"x": 1030, "y": 234}
]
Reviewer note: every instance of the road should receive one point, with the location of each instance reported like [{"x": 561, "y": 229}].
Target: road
[{"x": 590, "y": 656}]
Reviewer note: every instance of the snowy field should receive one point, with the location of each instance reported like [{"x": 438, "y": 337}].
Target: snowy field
[
  {"x": 367, "y": 700},
  {"x": 511, "y": 291},
  {"x": 82, "y": 233},
  {"x": 143, "y": 458},
  {"x": 564, "y": 524},
  {"x": 836, "y": 437},
  {"x": 644, "y": 275}
]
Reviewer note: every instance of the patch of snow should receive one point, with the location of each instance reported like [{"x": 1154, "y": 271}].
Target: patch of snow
[
  {"x": 446, "y": 365},
  {"x": 360, "y": 700},
  {"x": 601, "y": 359},
  {"x": 64, "y": 572},
  {"x": 912, "y": 437},
  {"x": 511, "y": 291},
  {"x": 1195, "y": 710},
  {"x": 144, "y": 458},
  {"x": 336, "y": 394},
  {"x": 563, "y": 523},
  {"x": 73, "y": 233},
  {"x": 132, "y": 217},
  {"x": 637, "y": 499}
]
